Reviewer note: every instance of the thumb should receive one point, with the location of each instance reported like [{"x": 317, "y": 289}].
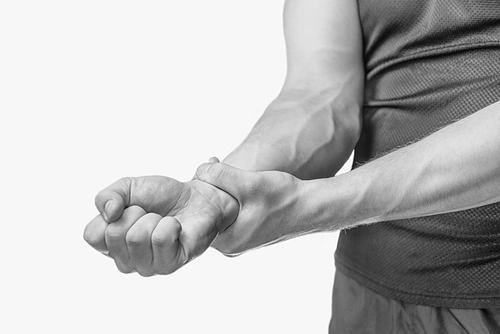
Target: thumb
[
  {"x": 112, "y": 200},
  {"x": 232, "y": 180}
]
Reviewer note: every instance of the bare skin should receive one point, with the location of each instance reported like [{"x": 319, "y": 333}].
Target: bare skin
[
  {"x": 453, "y": 169},
  {"x": 155, "y": 224},
  {"x": 308, "y": 131}
]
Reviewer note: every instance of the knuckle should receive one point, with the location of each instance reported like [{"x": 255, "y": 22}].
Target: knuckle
[
  {"x": 135, "y": 238},
  {"x": 114, "y": 232},
  {"x": 126, "y": 181},
  {"x": 120, "y": 188},
  {"x": 122, "y": 183},
  {"x": 160, "y": 238},
  {"x": 92, "y": 237}
]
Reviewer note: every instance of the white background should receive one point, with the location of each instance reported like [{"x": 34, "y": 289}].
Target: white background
[{"x": 91, "y": 91}]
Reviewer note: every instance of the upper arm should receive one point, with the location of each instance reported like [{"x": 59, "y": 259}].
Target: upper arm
[{"x": 325, "y": 52}]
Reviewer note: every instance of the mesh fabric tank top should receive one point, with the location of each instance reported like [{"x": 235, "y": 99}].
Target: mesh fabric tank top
[{"x": 428, "y": 63}]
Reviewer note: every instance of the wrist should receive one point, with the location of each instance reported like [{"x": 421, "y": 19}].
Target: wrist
[{"x": 227, "y": 204}]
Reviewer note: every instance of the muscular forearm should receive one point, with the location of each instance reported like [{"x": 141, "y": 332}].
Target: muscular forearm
[
  {"x": 456, "y": 168},
  {"x": 311, "y": 128},
  {"x": 307, "y": 134}
]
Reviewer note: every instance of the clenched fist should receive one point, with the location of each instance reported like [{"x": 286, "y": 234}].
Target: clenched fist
[{"x": 155, "y": 224}]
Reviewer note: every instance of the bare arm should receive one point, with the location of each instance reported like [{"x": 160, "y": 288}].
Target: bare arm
[
  {"x": 455, "y": 168},
  {"x": 156, "y": 225},
  {"x": 311, "y": 128}
]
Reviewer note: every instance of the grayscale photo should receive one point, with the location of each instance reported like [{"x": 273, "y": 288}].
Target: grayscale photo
[{"x": 293, "y": 166}]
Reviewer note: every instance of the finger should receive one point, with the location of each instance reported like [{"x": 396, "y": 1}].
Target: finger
[
  {"x": 115, "y": 237},
  {"x": 139, "y": 244},
  {"x": 212, "y": 160},
  {"x": 112, "y": 200},
  {"x": 167, "y": 255},
  {"x": 94, "y": 234},
  {"x": 234, "y": 181}
]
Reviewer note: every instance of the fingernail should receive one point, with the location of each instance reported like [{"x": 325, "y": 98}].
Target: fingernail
[
  {"x": 203, "y": 169},
  {"x": 213, "y": 160},
  {"x": 107, "y": 209}
]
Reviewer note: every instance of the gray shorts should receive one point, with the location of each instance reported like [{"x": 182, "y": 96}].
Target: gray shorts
[{"x": 357, "y": 310}]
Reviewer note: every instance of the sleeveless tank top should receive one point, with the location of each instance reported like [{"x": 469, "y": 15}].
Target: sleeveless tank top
[{"x": 428, "y": 63}]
